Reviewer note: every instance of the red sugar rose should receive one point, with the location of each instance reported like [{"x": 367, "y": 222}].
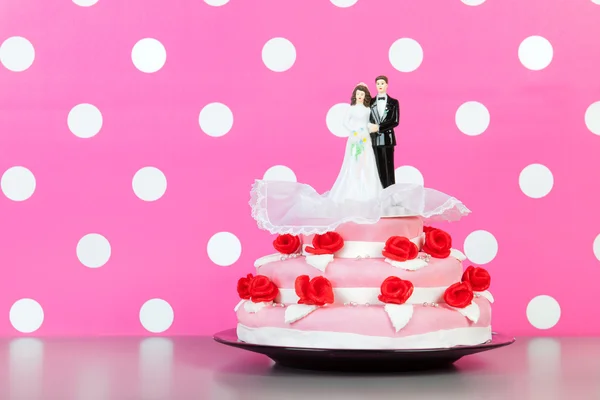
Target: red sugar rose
[
  {"x": 258, "y": 288},
  {"x": 316, "y": 291},
  {"x": 459, "y": 295},
  {"x": 437, "y": 243},
  {"x": 287, "y": 244},
  {"x": 427, "y": 229},
  {"x": 262, "y": 289},
  {"x": 395, "y": 290},
  {"x": 327, "y": 243},
  {"x": 478, "y": 277},
  {"x": 399, "y": 248},
  {"x": 243, "y": 287}
]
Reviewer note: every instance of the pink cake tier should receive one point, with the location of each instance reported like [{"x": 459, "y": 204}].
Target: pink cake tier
[
  {"x": 387, "y": 285},
  {"x": 353, "y": 327}
]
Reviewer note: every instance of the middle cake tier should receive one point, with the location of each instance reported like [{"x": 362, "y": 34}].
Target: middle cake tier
[{"x": 364, "y": 273}]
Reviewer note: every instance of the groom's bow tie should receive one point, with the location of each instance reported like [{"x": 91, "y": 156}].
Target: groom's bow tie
[{"x": 381, "y": 98}]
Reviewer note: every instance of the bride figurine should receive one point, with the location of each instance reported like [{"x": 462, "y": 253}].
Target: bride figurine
[
  {"x": 358, "y": 178},
  {"x": 356, "y": 196}
]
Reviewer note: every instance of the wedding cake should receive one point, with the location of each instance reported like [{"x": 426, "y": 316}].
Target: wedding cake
[
  {"x": 392, "y": 284},
  {"x": 362, "y": 266}
]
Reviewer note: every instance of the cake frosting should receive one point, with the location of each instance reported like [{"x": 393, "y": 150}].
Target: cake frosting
[{"x": 394, "y": 284}]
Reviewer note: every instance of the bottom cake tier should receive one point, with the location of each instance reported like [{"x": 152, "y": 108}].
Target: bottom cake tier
[{"x": 365, "y": 327}]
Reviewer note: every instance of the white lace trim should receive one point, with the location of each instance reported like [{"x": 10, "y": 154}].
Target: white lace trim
[
  {"x": 258, "y": 204},
  {"x": 451, "y": 210}
]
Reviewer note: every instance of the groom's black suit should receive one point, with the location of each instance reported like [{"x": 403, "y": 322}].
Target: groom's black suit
[{"x": 384, "y": 141}]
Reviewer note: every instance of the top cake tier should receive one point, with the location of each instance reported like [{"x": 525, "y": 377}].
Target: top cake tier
[{"x": 409, "y": 227}]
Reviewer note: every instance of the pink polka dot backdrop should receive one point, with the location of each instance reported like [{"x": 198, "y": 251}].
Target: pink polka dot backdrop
[{"x": 130, "y": 133}]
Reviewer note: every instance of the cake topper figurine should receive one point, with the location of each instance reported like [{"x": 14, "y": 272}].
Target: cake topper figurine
[
  {"x": 364, "y": 190},
  {"x": 385, "y": 115}
]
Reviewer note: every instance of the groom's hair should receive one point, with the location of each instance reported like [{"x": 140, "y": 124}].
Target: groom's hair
[{"x": 381, "y": 77}]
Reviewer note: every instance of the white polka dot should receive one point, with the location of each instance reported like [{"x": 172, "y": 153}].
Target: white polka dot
[
  {"x": 224, "y": 249},
  {"x": 409, "y": 174},
  {"x": 543, "y": 312},
  {"x": 473, "y": 2},
  {"x": 149, "y": 184},
  {"x": 535, "y": 53},
  {"x": 406, "y": 55},
  {"x": 84, "y": 120},
  {"x": 26, "y": 315},
  {"x": 335, "y": 119},
  {"x": 472, "y": 118},
  {"x": 279, "y": 173},
  {"x": 480, "y": 247},
  {"x": 215, "y": 119},
  {"x": 343, "y": 3},
  {"x": 216, "y": 3},
  {"x": 85, "y": 3},
  {"x": 93, "y": 250},
  {"x": 536, "y": 181},
  {"x": 596, "y": 247},
  {"x": 17, "y": 54},
  {"x": 18, "y": 183},
  {"x": 279, "y": 54},
  {"x": 156, "y": 315},
  {"x": 149, "y": 55},
  {"x": 596, "y": 1},
  {"x": 592, "y": 117}
]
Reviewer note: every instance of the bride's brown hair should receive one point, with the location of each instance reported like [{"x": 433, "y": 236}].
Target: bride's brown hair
[{"x": 367, "y": 101}]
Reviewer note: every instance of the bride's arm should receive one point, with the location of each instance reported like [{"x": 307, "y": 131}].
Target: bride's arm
[{"x": 347, "y": 119}]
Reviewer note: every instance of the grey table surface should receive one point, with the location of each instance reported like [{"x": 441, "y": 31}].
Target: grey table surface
[{"x": 199, "y": 368}]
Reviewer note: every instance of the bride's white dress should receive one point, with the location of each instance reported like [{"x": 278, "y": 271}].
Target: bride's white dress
[
  {"x": 356, "y": 196},
  {"x": 358, "y": 178}
]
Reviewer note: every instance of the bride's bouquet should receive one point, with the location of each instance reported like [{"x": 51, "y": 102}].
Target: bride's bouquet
[{"x": 357, "y": 146}]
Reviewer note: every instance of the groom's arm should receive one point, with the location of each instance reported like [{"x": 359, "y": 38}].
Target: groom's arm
[
  {"x": 392, "y": 122},
  {"x": 371, "y": 117}
]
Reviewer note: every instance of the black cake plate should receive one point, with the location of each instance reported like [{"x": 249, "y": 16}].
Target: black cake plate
[{"x": 359, "y": 360}]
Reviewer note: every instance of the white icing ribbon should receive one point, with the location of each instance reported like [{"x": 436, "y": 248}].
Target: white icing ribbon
[
  {"x": 361, "y": 249},
  {"x": 296, "y": 312},
  {"x": 364, "y": 296},
  {"x": 400, "y": 314},
  {"x": 329, "y": 339},
  {"x": 357, "y": 250},
  {"x": 370, "y": 296}
]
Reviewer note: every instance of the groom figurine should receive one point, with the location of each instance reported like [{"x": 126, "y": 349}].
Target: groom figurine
[{"x": 385, "y": 112}]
